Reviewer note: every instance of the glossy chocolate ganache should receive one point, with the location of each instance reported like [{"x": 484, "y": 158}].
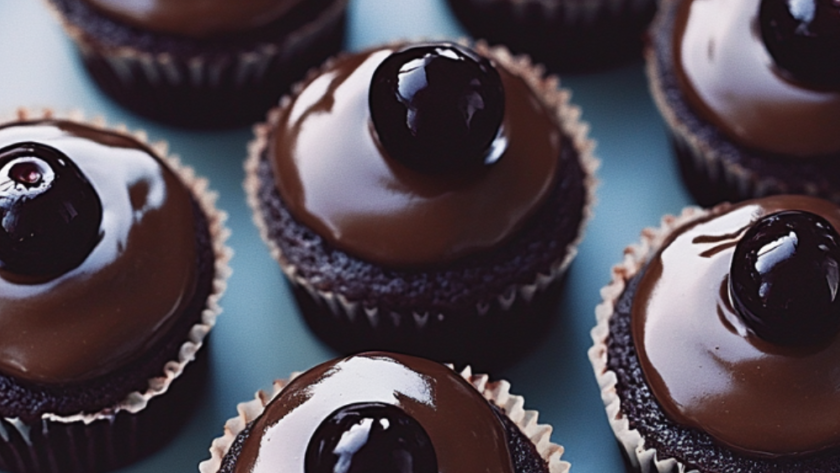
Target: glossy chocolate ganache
[
  {"x": 346, "y": 186},
  {"x": 703, "y": 360},
  {"x": 133, "y": 278},
  {"x": 196, "y": 18},
  {"x": 464, "y": 431},
  {"x": 729, "y": 77}
]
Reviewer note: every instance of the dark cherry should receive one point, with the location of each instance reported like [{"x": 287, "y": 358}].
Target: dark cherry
[
  {"x": 785, "y": 278},
  {"x": 370, "y": 437},
  {"x": 437, "y": 108},
  {"x": 50, "y": 214},
  {"x": 803, "y": 37}
]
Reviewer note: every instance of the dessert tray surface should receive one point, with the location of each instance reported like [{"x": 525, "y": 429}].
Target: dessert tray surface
[{"x": 259, "y": 336}]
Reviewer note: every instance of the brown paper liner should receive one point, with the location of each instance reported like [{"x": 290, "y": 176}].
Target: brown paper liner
[
  {"x": 497, "y": 392},
  {"x": 118, "y": 434},
  {"x": 568, "y": 116},
  {"x": 635, "y": 257}
]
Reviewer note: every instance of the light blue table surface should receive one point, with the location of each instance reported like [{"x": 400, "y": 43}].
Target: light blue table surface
[{"x": 260, "y": 337}]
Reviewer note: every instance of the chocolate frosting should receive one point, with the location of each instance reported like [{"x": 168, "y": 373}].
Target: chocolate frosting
[
  {"x": 195, "y": 18},
  {"x": 133, "y": 285},
  {"x": 730, "y": 79},
  {"x": 337, "y": 180},
  {"x": 706, "y": 369},
  {"x": 466, "y": 434}
]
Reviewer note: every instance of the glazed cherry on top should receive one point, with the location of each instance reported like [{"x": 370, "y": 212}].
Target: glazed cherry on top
[
  {"x": 785, "y": 278},
  {"x": 437, "y": 108},
  {"x": 803, "y": 37},
  {"x": 370, "y": 436},
  {"x": 50, "y": 214}
]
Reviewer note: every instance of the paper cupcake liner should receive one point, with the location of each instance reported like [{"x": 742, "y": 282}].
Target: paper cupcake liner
[
  {"x": 207, "y": 89},
  {"x": 241, "y": 69},
  {"x": 497, "y": 392},
  {"x": 635, "y": 257},
  {"x": 96, "y": 440},
  {"x": 568, "y": 115},
  {"x": 47, "y": 446}
]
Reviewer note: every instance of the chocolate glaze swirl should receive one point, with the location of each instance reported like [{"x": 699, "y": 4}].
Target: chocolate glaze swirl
[
  {"x": 336, "y": 178},
  {"x": 196, "y": 18},
  {"x": 466, "y": 434},
  {"x": 706, "y": 369},
  {"x": 730, "y": 79},
  {"x": 130, "y": 289}
]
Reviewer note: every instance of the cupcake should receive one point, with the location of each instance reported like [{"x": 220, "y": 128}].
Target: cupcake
[
  {"x": 750, "y": 93},
  {"x": 717, "y": 341},
  {"x": 406, "y": 411},
  {"x": 111, "y": 266},
  {"x": 207, "y": 63},
  {"x": 565, "y": 35},
  {"x": 424, "y": 198}
]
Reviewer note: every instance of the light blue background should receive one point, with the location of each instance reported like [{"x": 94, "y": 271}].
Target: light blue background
[{"x": 259, "y": 337}]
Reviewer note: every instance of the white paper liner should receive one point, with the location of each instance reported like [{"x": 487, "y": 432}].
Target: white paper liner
[
  {"x": 546, "y": 88},
  {"x": 204, "y": 71},
  {"x": 706, "y": 160},
  {"x": 635, "y": 258},
  {"x": 136, "y": 401},
  {"x": 497, "y": 392}
]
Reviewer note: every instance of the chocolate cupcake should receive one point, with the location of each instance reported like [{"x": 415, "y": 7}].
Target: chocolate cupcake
[
  {"x": 407, "y": 410},
  {"x": 424, "y": 198},
  {"x": 717, "y": 342},
  {"x": 111, "y": 266},
  {"x": 201, "y": 63},
  {"x": 750, "y": 93},
  {"x": 565, "y": 35}
]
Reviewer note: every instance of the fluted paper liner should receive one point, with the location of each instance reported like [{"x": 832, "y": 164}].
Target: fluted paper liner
[
  {"x": 135, "y": 402},
  {"x": 201, "y": 70},
  {"x": 553, "y": 96},
  {"x": 635, "y": 258},
  {"x": 497, "y": 392},
  {"x": 705, "y": 159}
]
